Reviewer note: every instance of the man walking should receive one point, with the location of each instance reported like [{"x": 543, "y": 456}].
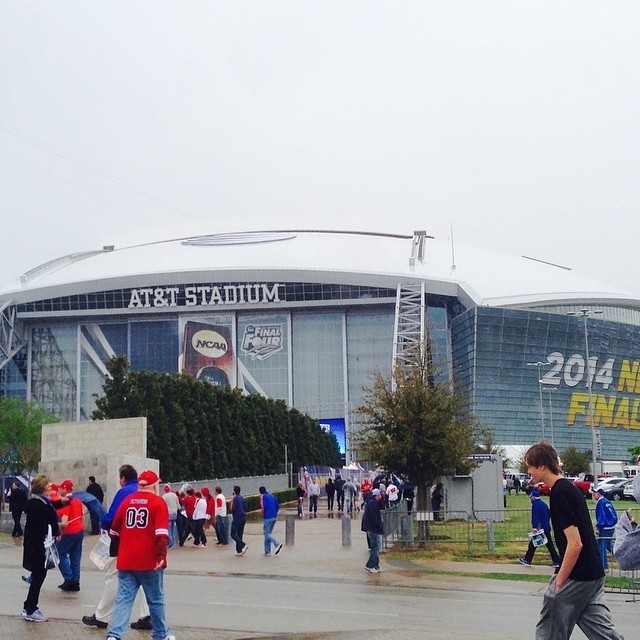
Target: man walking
[
  {"x": 221, "y": 517},
  {"x": 350, "y": 490},
  {"x": 128, "y": 477},
  {"x": 70, "y": 543},
  {"x": 173, "y": 506},
  {"x": 606, "y": 520},
  {"x": 239, "y": 519},
  {"x": 372, "y": 525},
  {"x": 340, "y": 492},
  {"x": 17, "y": 504},
  {"x": 575, "y": 594},
  {"x": 540, "y": 520},
  {"x": 141, "y": 529},
  {"x": 313, "y": 489},
  {"x": 270, "y": 506}
]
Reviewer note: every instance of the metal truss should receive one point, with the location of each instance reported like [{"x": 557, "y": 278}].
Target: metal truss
[
  {"x": 10, "y": 339},
  {"x": 53, "y": 383},
  {"x": 408, "y": 334}
]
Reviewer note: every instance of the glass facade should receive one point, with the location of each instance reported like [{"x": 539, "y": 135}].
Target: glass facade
[
  {"x": 511, "y": 360},
  {"x": 320, "y": 354}
]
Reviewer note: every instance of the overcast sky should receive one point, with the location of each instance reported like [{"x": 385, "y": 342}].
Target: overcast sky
[{"x": 516, "y": 123}]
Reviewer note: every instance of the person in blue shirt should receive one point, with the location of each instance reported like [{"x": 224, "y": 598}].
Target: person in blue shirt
[
  {"x": 540, "y": 519},
  {"x": 606, "y": 519},
  {"x": 270, "y": 506}
]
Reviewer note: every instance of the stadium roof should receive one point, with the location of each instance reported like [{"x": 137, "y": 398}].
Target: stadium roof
[{"x": 274, "y": 252}]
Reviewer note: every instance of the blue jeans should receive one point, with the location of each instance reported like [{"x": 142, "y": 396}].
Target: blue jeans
[
  {"x": 267, "y": 528},
  {"x": 375, "y": 544},
  {"x": 604, "y": 545},
  {"x": 128, "y": 584},
  {"x": 221, "y": 529},
  {"x": 172, "y": 531},
  {"x": 237, "y": 531},
  {"x": 70, "y": 551}
]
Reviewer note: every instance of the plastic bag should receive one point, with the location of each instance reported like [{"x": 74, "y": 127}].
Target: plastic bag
[
  {"x": 100, "y": 553},
  {"x": 51, "y": 557},
  {"x": 538, "y": 537},
  {"x": 626, "y": 547}
]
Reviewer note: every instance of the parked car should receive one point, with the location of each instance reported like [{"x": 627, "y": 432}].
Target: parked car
[
  {"x": 627, "y": 490},
  {"x": 613, "y": 487},
  {"x": 542, "y": 488}
]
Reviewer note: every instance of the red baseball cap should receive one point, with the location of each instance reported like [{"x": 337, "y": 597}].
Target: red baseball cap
[
  {"x": 67, "y": 485},
  {"x": 147, "y": 478}
]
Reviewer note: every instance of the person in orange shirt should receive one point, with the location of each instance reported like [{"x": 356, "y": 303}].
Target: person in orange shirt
[{"x": 70, "y": 543}]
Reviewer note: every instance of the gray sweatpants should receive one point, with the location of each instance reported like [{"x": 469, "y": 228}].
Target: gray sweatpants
[{"x": 577, "y": 603}]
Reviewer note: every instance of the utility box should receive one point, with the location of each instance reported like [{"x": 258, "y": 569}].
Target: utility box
[{"x": 479, "y": 494}]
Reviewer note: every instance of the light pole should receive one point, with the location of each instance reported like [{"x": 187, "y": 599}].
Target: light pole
[
  {"x": 584, "y": 314},
  {"x": 550, "y": 390},
  {"x": 538, "y": 365}
]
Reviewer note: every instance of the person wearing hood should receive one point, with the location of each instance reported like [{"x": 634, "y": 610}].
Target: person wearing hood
[{"x": 211, "y": 506}]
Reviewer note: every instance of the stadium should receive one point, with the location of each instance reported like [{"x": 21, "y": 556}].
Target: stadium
[{"x": 307, "y": 316}]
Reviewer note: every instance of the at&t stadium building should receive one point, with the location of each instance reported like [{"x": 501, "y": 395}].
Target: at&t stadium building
[{"x": 307, "y": 316}]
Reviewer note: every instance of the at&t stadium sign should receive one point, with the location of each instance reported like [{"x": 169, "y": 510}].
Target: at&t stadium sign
[{"x": 205, "y": 295}]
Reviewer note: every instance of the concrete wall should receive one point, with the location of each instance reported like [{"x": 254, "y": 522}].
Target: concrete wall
[
  {"x": 248, "y": 485},
  {"x": 77, "y": 450}
]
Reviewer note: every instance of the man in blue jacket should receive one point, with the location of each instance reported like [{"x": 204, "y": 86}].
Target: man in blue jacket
[
  {"x": 606, "y": 520},
  {"x": 374, "y": 528},
  {"x": 100, "y": 618},
  {"x": 270, "y": 506},
  {"x": 540, "y": 519}
]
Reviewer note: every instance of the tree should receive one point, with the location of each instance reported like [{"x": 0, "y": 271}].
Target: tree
[
  {"x": 417, "y": 427},
  {"x": 634, "y": 453},
  {"x": 20, "y": 436},
  {"x": 575, "y": 461},
  {"x": 200, "y": 430}
]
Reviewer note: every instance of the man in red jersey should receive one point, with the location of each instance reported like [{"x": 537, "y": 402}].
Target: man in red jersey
[{"x": 141, "y": 527}]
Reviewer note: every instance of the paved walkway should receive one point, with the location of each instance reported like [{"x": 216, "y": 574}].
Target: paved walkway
[{"x": 317, "y": 556}]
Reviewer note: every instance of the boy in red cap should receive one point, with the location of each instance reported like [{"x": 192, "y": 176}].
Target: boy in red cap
[
  {"x": 141, "y": 527},
  {"x": 70, "y": 544}
]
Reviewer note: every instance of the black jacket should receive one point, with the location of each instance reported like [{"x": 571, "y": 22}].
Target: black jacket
[
  {"x": 96, "y": 490},
  {"x": 372, "y": 516},
  {"x": 17, "y": 500},
  {"x": 39, "y": 514}
]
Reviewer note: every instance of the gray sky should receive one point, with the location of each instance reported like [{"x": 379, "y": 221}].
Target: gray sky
[{"x": 515, "y": 122}]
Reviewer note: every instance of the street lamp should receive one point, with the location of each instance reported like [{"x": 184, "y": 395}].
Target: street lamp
[
  {"x": 584, "y": 314},
  {"x": 549, "y": 390},
  {"x": 538, "y": 365}
]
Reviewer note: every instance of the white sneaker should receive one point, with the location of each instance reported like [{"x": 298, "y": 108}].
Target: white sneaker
[
  {"x": 36, "y": 616},
  {"x": 244, "y": 549},
  {"x": 371, "y": 569},
  {"x": 278, "y": 549},
  {"x": 170, "y": 638}
]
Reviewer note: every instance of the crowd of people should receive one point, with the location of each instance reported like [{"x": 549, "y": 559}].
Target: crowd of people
[{"x": 143, "y": 523}]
